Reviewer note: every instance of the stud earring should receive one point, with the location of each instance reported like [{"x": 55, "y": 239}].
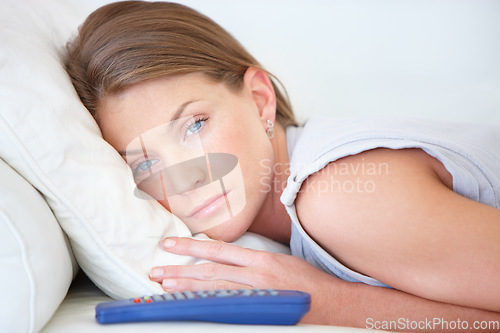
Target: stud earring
[{"x": 270, "y": 129}]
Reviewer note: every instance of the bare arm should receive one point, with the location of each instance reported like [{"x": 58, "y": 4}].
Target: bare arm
[
  {"x": 361, "y": 305},
  {"x": 334, "y": 302},
  {"x": 404, "y": 227}
]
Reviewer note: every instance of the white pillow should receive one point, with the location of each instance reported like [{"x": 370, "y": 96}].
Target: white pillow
[
  {"x": 51, "y": 140},
  {"x": 36, "y": 262}
]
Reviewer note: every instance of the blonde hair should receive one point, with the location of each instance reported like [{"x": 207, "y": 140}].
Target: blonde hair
[{"x": 124, "y": 43}]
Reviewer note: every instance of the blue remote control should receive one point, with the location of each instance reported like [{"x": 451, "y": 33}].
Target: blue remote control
[{"x": 243, "y": 306}]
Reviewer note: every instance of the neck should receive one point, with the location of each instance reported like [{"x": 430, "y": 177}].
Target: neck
[{"x": 272, "y": 220}]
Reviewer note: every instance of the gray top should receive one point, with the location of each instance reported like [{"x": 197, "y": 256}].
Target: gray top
[{"x": 470, "y": 153}]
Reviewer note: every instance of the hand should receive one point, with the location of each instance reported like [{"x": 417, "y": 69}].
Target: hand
[
  {"x": 334, "y": 302},
  {"x": 234, "y": 267}
]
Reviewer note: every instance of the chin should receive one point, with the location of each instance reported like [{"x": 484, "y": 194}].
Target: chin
[{"x": 227, "y": 232}]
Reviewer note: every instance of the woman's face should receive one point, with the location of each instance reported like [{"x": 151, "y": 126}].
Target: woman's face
[{"x": 197, "y": 147}]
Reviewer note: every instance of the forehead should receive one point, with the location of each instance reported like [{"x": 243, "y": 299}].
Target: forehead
[{"x": 124, "y": 116}]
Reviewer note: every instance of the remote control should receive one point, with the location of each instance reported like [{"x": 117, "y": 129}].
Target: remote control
[{"x": 243, "y": 306}]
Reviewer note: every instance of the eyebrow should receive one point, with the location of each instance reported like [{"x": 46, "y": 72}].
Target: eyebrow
[{"x": 178, "y": 113}]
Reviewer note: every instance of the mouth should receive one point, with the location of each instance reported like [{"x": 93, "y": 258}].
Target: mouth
[{"x": 209, "y": 206}]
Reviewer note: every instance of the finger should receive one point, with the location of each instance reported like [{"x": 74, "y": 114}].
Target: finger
[
  {"x": 211, "y": 250},
  {"x": 183, "y": 284},
  {"x": 206, "y": 271}
]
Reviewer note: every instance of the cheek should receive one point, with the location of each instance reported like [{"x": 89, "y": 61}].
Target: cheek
[
  {"x": 154, "y": 191},
  {"x": 253, "y": 150}
]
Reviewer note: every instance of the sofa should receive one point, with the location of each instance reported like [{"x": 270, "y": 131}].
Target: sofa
[{"x": 69, "y": 231}]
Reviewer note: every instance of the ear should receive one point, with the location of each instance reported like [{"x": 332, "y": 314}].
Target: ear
[{"x": 260, "y": 87}]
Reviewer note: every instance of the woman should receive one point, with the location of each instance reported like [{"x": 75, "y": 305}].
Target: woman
[{"x": 390, "y": 203}]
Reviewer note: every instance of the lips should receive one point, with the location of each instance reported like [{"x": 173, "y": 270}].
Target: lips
[{"x": 209, "y": 206}]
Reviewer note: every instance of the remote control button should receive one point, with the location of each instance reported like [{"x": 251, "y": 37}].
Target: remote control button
[
  {"x": 224, "y": 293},
  {"x": 179, "y": 296},
  {"x": 189, "y": 294},
  {"x": 247, "y": 293},
  {"x": 158, "y": 298},
  {"x": 169, "y": 297},
  {"x": 261, "y": 293},
  {"x": 202, "y": 294},
  {"x": 273, "y": 292},
  {"x": 137, "y": 300}
]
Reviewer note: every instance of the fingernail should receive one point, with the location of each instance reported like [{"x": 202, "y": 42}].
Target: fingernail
[
  {"x": 168, "y": 243},
  {"x": 155, "y": 273},
  {"x": 169, "y": 283}
]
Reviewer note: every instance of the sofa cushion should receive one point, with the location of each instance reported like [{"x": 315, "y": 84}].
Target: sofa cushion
[{"x": 36, "y": 260}]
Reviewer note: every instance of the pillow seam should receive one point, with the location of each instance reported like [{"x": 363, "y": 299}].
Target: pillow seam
[{"x": 27, "y": 269}]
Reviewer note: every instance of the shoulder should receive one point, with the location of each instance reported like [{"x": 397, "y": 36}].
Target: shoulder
[
  {"x": 363, "y": 201},
  {"x": 391, "y": 215},
  {"x": 368, "y": 182}
]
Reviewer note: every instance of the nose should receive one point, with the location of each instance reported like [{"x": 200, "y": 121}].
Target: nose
[{"x": 185, "y": 176}]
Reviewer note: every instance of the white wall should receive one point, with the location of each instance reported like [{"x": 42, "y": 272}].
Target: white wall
[{"x": 427, "y": 58}]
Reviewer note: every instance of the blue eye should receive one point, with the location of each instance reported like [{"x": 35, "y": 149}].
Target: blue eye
[
  {"x": 144, "y": 166},
  {"x": 195, "y": 127}
]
